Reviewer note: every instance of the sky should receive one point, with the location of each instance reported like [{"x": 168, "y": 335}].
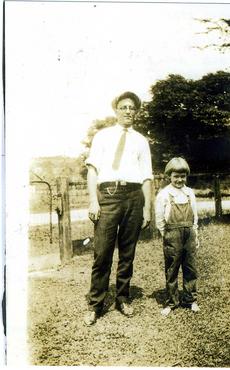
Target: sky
[{"x": 66, "y": 61}]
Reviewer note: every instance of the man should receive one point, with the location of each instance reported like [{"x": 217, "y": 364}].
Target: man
[{"x": 119, "y": 184}]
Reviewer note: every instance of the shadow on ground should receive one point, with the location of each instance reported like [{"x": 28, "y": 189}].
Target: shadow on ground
[{"x": 136, "y": 293}]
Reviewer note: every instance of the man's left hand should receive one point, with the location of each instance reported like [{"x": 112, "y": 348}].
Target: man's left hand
[{"x": 146, "y": 218}]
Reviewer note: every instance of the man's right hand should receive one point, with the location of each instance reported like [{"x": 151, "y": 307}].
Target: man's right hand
[{"x": 94, "y": 212}]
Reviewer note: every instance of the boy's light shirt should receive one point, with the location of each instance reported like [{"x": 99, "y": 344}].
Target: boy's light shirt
[{"x": 163, "y": 206}]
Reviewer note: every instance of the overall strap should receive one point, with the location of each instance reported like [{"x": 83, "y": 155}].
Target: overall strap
[{"x": 171, "y": 198}]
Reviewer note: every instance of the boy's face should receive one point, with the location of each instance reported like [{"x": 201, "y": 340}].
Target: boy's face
[{"x": 178, "y": 180}]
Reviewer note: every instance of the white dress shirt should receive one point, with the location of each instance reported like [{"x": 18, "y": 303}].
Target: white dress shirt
[
  {"x": 163, "y": 205},
  {"x": 135, "y": 165}
]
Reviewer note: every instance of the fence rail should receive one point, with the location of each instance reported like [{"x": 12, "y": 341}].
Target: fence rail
[
  {"x": 50, "y": 204},
  {"x": 71, "y": 195},
  {"x": 64, "y": 216}
]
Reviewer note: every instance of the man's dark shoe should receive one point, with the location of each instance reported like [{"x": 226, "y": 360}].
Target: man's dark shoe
[
  {"x": 125, "y": 309},
  {"x": 90, "y": 318}
]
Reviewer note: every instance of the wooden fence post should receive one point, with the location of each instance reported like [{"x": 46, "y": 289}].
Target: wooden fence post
[
  {"x": 217, "y": 196},
  {"x": 64, "y": 222}
]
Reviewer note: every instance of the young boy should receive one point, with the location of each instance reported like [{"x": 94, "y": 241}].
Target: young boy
[{"x": 176, "y": 219}]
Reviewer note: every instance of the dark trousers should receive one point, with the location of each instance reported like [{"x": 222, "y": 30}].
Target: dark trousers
[
  {"x": 180, "y": 250},
  {"x": 121, "y": 219}
]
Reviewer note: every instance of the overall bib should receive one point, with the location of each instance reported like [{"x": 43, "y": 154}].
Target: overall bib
[{"x": 179, "y": 245}]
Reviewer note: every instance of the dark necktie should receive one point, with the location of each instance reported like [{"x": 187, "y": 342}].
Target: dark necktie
[{"x": 119, "y": 150}]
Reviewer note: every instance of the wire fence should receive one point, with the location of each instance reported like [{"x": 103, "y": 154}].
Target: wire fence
[{"x": 212, "y": 193}]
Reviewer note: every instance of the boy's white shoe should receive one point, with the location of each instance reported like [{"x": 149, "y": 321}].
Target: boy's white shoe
[
  {"x": 195, "y": 307},
  {"x": 166, "y": 311}
]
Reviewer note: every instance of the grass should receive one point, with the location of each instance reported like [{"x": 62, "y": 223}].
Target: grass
[{"x": 57, "y": 303}]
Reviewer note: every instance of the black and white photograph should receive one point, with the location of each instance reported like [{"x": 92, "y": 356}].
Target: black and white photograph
[{"x": 117, "y": 183}]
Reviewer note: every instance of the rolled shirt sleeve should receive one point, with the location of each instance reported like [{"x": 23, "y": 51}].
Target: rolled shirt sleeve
[
  {"x": 145, "y": 162},
  {"x": 194, "y": 208},
  {"x": 160, "y": 204}
]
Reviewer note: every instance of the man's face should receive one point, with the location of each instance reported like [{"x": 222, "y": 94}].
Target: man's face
[
  {"x": 178, "y": 180},
  {"x": 125, "y": 112}
]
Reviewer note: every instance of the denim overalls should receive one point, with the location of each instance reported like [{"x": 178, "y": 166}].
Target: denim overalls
[{"x": 179, "y": 244}]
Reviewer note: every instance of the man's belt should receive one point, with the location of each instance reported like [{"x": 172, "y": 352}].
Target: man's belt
[{"x": 124, "y": 185}]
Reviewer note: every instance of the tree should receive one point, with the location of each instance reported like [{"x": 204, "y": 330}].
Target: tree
[
  {"x": 184, "y": 118},
  {"x": 50, "y": 168},
  {"x": 183, "y": 112},
  {"x": 97, "y": 125},
  {"x": 221, "y": 28}
]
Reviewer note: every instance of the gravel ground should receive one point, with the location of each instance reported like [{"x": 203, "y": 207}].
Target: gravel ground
[{"x": 57, "y": 304}]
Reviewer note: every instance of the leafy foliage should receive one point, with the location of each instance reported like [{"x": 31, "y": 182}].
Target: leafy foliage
[
  {"x": 222, "y": 28},
  {"x": 97, "y": 125},
  {"x": 183, "y": 115},
  {"x": 49, "y": 168}
]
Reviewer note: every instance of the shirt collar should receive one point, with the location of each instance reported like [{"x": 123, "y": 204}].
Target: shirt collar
[
  {"x": 121, "y": 128},
  {"x": 174, "y": 191}
]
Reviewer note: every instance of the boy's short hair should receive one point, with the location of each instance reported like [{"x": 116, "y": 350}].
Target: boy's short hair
[{"x": 177, "y": 164}]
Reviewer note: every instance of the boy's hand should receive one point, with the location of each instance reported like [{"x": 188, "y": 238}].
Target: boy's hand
[{"x": 197, "y": 240}]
